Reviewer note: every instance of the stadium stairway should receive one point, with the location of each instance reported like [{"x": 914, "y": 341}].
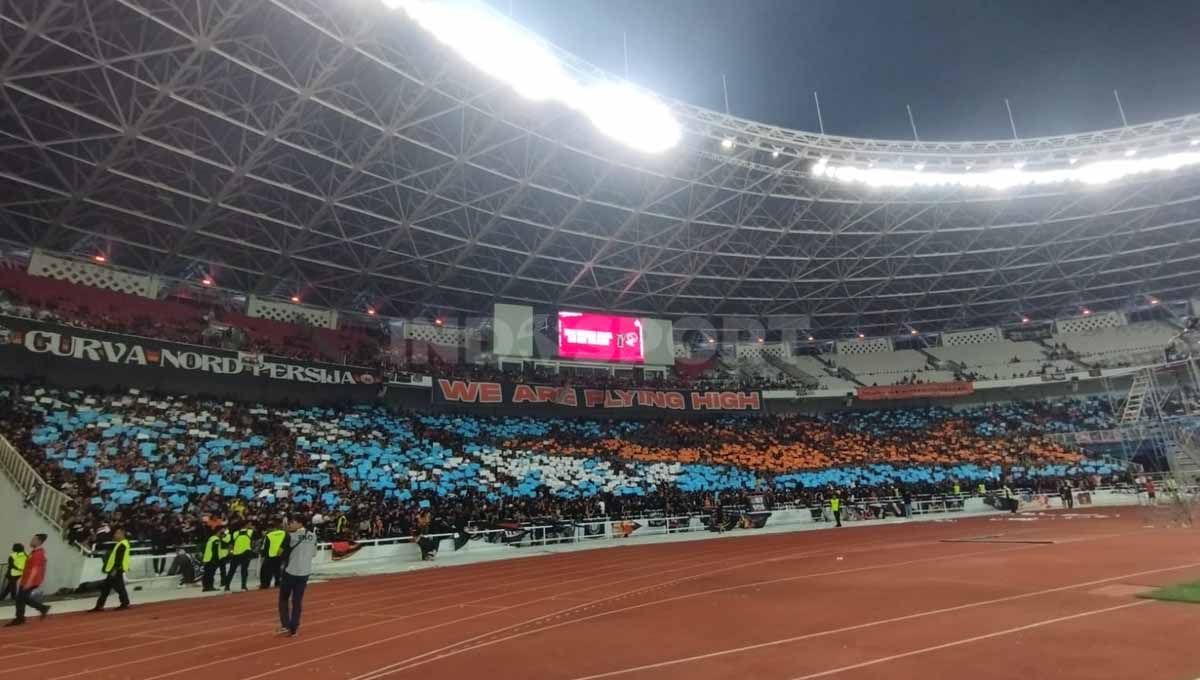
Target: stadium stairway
[
  {"x": 792, "y": 370},
  {"x": 38, "y": 515},
  {"x": 1049, "y": 352}
]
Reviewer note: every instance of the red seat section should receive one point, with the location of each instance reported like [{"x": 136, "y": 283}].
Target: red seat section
[{"x": 182, "y": 321}]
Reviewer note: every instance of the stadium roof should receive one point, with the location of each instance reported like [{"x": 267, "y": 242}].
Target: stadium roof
[{"x": 334, "y": 149}]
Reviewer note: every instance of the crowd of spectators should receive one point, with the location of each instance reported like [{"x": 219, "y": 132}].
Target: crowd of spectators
[{"x": 167, "y": 467}]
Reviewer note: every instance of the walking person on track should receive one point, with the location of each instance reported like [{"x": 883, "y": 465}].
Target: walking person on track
[
  {"x": 835, "y": 507},
  {"x": 116, "y": 564},
  {"x": 29, "y": 589},
  {"x": 301, "y": 548}
]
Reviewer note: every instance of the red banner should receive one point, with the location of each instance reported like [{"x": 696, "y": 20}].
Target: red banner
[
  {"x": 960, "y": 388},
  {"x": 497, "y": 394}
]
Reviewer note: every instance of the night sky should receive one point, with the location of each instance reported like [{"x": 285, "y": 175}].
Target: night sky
[{"x": 954, "y": 61}]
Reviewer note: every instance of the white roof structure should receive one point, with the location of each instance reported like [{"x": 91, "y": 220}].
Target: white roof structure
[{"x": 339, "y": 149}]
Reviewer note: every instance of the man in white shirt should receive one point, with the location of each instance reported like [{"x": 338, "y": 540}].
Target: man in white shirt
[{"x": 301, "y": 548}]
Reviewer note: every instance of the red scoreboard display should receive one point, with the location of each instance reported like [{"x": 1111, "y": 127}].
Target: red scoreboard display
[{"x": 599, "y": 337}]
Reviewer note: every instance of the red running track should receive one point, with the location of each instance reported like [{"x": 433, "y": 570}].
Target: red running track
[{"x": 1046, "y": 596}]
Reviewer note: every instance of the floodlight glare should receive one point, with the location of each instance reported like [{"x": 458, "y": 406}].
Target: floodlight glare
[
  {"x": 1098, "y": 172},
  {"x": 500, "y": 48}
]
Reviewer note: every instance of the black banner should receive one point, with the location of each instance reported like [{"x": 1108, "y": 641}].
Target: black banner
[
  {"x": 83, "y": 357},
  {"x": 509, "y": 395}
]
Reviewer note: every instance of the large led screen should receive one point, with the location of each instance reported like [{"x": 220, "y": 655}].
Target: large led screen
[{"x": 598, "y": 337}]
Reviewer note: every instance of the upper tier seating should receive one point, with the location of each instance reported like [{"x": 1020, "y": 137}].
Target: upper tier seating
[
  {"x": 1131, "y": 345},
  {"x": 174, "y": 320},
  {"x": 1002, "y": 360},
  {"x": 818, "y": 370}
]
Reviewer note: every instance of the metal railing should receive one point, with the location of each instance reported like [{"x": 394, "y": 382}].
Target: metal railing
[{"x": 45, "y": 499}]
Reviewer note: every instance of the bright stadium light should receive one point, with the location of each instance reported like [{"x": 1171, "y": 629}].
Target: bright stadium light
[
  {"x": 727, "y": 143},
  {"x": 1098, "y": 172},
  {"x": 503, "y": 50},
  {"x": 1073, "y": 160},
  {"x": 1195, "y": 142},
  {"x": 1130, "y": 153}
]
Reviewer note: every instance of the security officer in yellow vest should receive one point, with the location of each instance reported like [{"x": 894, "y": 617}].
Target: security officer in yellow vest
[
  {"x": 272, "y": 556},
  {"x": 13, "y": 571},
  {"x": 116, "y": 564},
  {"x": 241, "y": 553},
  {"x": 211, "y": 559},
  {"x": 835, "y": 506},
  {"x": 224, "y": 544}
]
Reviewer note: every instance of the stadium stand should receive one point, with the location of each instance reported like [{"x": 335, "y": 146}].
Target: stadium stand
[
  {"x": 1002, "y": 360},
  {"x": 822, "y": 373},
  {"x": 145, "y": 460},
  {"x": 1129, "y": 345},
  {"x": 178, "y": 320},
  {"x": 891, "y": 368}
]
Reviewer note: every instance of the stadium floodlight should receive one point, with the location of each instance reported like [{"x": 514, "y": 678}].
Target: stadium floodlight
[
  {"x": 1098, "y": 172},
  {"x": 919, "y": 167},
  {"x": 101, "y": 258},
  {"x": 1073, "y": 160},
  {"x": 1130, "y": 153},
  {"x": 1019, "y": 165},
  {"x": 1024, "y": 319},
  {"x": 207, "y": 281},
  {"x": 1153, "y": 301},
  {"x": 497, "y": 46},
  {"x": 296, "y": 299},
  {"x": 774, "y": 153}
]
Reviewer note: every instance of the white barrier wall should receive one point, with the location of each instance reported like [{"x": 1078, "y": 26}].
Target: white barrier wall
[
  {"x": 512, "y": 331},
  {"x": 64, "y": 563},
  {"x": 96, "y": 276},
  {"x": 394, "y": 554}
]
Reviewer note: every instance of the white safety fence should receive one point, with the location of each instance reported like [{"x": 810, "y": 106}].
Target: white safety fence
[{"x": 38, "y": 495}]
